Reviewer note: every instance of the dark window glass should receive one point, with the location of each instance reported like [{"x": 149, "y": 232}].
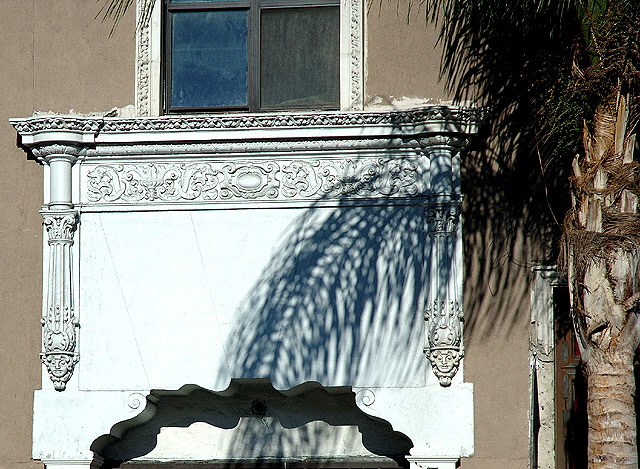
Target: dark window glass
[
  {"x": 299, "y": 57},
  {"x": 251, "y": 54},
  {"x": 209, "y": 58}
]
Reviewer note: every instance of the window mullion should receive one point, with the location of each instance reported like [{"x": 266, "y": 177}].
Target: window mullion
[{"x": 253, "y": 91}]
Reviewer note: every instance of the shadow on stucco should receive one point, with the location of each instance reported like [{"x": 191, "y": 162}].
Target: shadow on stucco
[
  {"x": 340, "y": 299},
  {"x": 512, "y": 215},
  {"x": 332, "y": 303}
]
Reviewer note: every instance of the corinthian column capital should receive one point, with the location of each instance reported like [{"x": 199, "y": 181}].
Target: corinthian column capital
[
  {"x": 60, "y": 224},
  {"x": 47, "y": 153}
]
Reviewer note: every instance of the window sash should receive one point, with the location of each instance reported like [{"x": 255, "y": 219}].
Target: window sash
[{"x": 254, "y": 8}]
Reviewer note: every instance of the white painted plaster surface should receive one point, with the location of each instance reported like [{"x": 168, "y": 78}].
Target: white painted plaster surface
[
  {"x": 438, "y": 420},
  {"x": 257, "y": 438},
  {"x": 65, "y": 424},
  {"x": 326, "y": 295}
]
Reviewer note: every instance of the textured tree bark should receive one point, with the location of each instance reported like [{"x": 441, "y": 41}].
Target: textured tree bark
[
  {"x": 610, "y": 408},
  {"x": 602, "y": 249}
]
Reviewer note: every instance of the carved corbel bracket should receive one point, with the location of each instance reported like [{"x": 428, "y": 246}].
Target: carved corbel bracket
[
  {"x": 444, "y": 351},
  {"x": 444, "y": 314},
  {"x": 59, "y": 321}
]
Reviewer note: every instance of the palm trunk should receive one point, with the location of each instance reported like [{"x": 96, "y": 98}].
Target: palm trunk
[
  {"x": 602, "y": 249},
  {"x": 611, "y": 412}
]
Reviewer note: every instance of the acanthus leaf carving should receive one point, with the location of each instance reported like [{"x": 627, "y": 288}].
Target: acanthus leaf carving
[
  {"x": 255, "y": 180},
  {"x": 443, "y": 218},
  {"x": 59, "y": 321}
]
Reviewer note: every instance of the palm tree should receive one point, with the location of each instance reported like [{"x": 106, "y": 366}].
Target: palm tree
[{"x": 561, "y": 80}]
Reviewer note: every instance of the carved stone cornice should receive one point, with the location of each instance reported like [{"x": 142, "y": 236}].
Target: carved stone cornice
[
  {"x": 72, "y": 123},
  {"x": 59, "y": 322},
  {"x": 448, "y": 120}
]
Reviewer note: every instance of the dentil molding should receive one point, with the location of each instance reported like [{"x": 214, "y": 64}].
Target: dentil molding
[{"x": 455, "y": 122}]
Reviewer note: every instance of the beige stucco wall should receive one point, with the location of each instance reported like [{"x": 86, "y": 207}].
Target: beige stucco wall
[
  {"x": 403, "y": 61},
  {"x": 55, "y": 56},
  {"x": 402, "y": 57}
]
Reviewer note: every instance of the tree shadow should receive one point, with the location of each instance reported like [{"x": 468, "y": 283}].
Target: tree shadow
[
  {"x": 340, "y": 302},
  {"x": 333, "y": 303},
  {"x": 515, "y": 182}
]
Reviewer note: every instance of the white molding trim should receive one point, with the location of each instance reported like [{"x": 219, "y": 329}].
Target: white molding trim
[
  {"x": 295, "y": 159},
  {"x": 148, "y": 59},
  {"x": 417, "y": 462},
  {"x": 71, "y": 464},
  {"x": 542, "y": 349},
  {"x": 438, "y": 126}
]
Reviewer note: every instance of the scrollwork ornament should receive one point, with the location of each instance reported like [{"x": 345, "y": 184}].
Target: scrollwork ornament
[
  {"x": 136, "y": 400},
  {"x": 59, "y": 322},
  {"x": 255, "y": 180},
  {"x": 365, "y": 397},
  {"x": 444, "y": 349}
]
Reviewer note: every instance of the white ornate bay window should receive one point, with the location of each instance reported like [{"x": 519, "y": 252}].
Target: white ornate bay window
[{"x": 299, "y": 272}]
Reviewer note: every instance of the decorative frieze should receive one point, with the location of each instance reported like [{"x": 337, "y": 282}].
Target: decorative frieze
[
  {"x": 59, "y": 321},
  {"x": 273, "y": 179}
]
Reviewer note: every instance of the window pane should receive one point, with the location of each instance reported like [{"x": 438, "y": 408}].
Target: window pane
[
  {"x": 299, "y": 57},
  {"x": 209, "y": 58},
  {"x": 198, "y": 1}
]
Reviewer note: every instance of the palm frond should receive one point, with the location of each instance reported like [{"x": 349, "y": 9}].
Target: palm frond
[{"x": 114, "y": 10}]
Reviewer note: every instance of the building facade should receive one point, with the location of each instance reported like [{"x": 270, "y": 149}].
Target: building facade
[{"x": 301, "y": 270}]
